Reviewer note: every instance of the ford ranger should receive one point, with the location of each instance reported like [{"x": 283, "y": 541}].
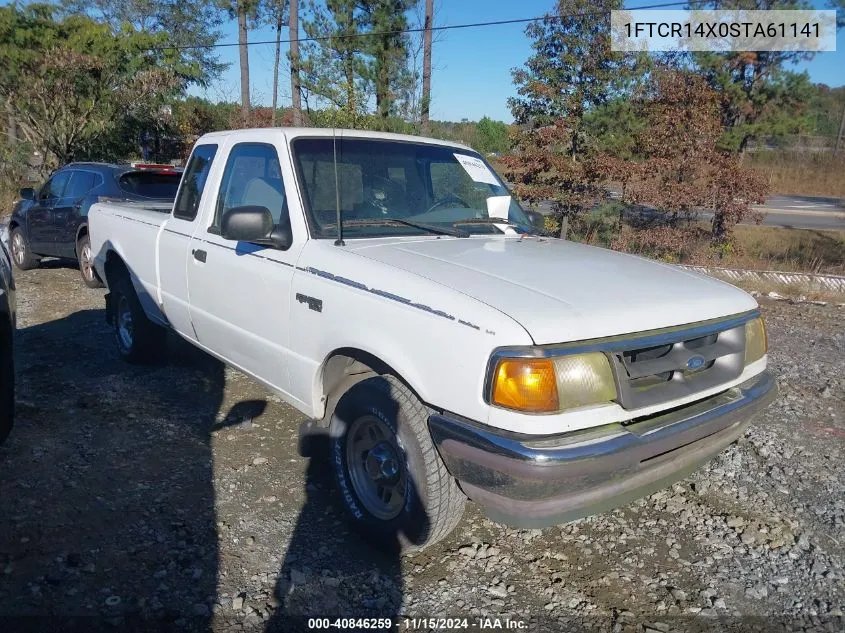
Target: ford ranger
[{"x": 391, "y": 289}]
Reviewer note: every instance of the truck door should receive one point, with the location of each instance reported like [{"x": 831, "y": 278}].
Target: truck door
[
  {"x": 174, "y": 240},
  {"x": 240, "y": 292}
]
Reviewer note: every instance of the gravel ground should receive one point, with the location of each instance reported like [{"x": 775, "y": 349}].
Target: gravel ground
[{"x": 173, "y": 498}]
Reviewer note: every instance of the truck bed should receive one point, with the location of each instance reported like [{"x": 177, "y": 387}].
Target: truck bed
[{"x": 130, "y": 229}]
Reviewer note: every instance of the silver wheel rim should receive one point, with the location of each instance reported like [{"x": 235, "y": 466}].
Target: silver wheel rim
[
  {"x": 18, "y": 248},
  {"x": 376, "y": 467},
  {"x": 125, "y": 330},
  {"x": 85, "y": 262}
]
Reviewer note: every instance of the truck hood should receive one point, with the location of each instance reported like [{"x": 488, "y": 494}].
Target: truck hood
[{"x": 561, "y": 291}]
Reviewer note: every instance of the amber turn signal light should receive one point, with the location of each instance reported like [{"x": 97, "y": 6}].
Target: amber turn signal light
[{"x": 526, "y": 384}]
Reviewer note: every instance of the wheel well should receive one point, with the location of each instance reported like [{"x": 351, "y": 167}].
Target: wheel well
[
  {"x": 13, "y": 224},
  {"x": 82, "y": 230},
  {"x": 344, "y": 368},
  {"x": 114, "y": 267}
]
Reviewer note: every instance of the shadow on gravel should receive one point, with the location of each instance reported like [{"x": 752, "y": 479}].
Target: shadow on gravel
[
  {"x": 330, "y": 572},
  {"x": 106, "y": 487}
]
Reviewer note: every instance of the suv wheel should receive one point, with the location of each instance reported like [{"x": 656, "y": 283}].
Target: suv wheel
[
  {"x": 21, "y": 255},
  {"x": 86, "y": 263}
]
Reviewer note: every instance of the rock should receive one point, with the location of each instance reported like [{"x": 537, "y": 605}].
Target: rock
[
  {"x": 679, "y": 595},
  {"x": 818, "y": 568},
  {"x": 259, "y": 460},
  {"x": 500, "y": 591},
  {"x": 467, "y": 550},
  {"x": 237, "y": 603},
  {"x": 735, "y": 522}
]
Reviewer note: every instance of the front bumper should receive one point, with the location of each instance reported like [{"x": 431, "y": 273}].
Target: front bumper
[{"x": 535, "y": 481}]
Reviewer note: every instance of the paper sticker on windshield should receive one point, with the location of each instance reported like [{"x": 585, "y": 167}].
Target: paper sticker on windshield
[
  {"x": 476, "y": 169},
  {"x": 498, "y": 207}
]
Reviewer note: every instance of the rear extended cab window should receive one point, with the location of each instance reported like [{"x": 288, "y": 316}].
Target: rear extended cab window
[{"x": 193, "y": 182}]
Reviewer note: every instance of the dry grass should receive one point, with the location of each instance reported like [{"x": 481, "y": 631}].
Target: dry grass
[
  {"x": 8, "y": 196},
  {"x": 755, "y": 247},
  {"x": 802, "y": 173},
  {"x": 800, "y": 250}
]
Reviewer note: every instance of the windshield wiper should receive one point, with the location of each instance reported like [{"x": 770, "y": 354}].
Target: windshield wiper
[
  {"x": 397, "y": 221},
  {"x": 492, "y": 221}
]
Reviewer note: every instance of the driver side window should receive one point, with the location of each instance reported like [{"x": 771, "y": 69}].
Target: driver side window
[
  {"x": 54, "y": 188},
  {"x": 252, "y": 177}
]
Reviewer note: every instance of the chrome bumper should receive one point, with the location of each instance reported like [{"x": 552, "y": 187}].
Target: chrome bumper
[{"x": 534, "y": 481}]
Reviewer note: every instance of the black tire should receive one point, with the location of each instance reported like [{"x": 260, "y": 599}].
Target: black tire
[
  {"x": 7, "y": 381},
  {"x": 86, "y": 263},
  {"x": 21, "y": 253},
  {"x": 138, "y": 339},
  {"x": 432, "y": 504}
]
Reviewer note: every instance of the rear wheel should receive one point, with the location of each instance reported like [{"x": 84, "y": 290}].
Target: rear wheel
[
  {"x": 86, "y": 263},
  {"x": 21, "y": 254},
  {"x": 138, "y": 339},
  {"x": 393, "y": 484}
]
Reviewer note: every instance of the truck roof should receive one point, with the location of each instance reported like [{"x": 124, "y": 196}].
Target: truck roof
[{"x": 293, "y": 132}]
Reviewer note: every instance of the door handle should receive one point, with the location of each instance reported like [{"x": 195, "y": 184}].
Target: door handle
[{"x": 199, "y": 255}]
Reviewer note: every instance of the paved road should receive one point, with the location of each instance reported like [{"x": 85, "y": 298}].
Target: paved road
[{"x": 799, "y": 212}]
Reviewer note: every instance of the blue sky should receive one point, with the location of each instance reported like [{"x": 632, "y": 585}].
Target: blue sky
[{"x": 471, "y": 74}]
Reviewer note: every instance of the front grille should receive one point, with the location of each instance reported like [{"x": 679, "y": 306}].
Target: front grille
[{"x": 679, "y": 366}]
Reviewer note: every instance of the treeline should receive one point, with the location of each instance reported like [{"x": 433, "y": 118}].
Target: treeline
[
  {"x": 98, "y": 80},
  {"x": 102, "y": 79}
]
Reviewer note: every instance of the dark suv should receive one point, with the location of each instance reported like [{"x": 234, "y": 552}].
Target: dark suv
[
  {"x": 7, "y": 333},
  {"x": 53, "y": 221}
]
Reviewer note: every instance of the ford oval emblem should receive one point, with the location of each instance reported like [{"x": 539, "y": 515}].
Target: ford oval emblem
[{"x": 696, "y": 362}]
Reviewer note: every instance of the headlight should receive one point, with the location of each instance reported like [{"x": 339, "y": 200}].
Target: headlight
[
  {"x": 547, "y": 385},
  {"x": 756, "y": 341}
]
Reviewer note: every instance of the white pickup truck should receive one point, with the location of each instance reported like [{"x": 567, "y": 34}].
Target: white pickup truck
[{"x": 391, "y": 290}]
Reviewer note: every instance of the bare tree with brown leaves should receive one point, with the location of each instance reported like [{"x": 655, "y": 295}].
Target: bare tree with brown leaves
[{"x": 679, "y": 168}]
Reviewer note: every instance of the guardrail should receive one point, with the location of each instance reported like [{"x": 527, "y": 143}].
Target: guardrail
[{"x": 830, "y": 283}]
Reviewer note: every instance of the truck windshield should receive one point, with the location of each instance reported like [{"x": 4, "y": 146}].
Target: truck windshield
[{"x": 444, "y": 187}]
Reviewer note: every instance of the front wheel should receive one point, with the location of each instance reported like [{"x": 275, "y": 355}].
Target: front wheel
[
  {"x": 86, "y": 263},
  {"x": 138, "y": 339},
  {"x": 21, "y": 254},
  {"x": 392, "y": 482}
]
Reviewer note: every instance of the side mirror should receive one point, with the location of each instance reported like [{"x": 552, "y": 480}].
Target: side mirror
[
  {"x": 255, "y": 224},
  {"x": 27, "y": 193}
]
